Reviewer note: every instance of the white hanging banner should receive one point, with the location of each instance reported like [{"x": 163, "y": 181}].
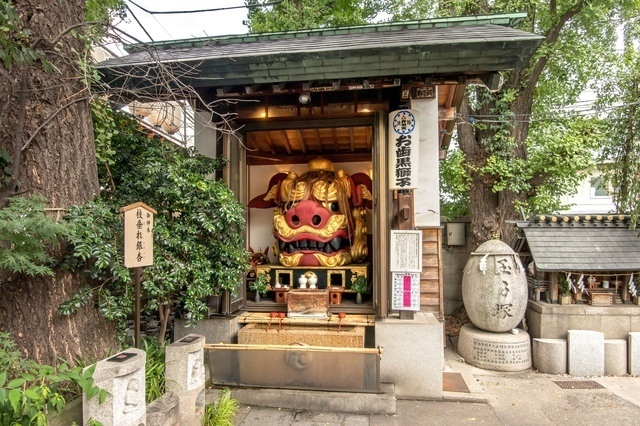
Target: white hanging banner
[{"x": 404, "y": 143}]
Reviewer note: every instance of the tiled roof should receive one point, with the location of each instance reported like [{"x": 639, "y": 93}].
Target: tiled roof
[
  {"x": 453, "y": 46},
  {"x": 582, "y": 243}
]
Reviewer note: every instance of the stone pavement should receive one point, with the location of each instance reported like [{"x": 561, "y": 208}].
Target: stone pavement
[{"x": 495, "y": 398}]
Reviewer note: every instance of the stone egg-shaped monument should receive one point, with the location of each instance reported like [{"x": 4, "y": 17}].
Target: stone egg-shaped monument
[{"x": 494, "y": 287}]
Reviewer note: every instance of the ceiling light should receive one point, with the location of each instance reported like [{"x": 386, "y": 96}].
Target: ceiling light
[{"x": 304, "y": 98}]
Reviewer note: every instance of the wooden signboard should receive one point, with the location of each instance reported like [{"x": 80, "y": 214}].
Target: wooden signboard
[
  {"x": 138, "y": 235},
  {"x": 405, "y": 287},
  {"x": 406, "y": 266},
  {"x": 404, "y": 144},
  {"x": 138, "y": 248},
  {"x": 406, "y": 251}
]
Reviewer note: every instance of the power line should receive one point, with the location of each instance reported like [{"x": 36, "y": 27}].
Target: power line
[
  {"x": 534, "y": 117},
  {"x": 218, "y": 9},
  {"x": 139, "y": 23}
]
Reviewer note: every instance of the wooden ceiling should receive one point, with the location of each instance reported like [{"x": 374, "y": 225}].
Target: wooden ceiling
[
  {"x": 341, "y": 132},
  {"x": 299, "y": 145}
]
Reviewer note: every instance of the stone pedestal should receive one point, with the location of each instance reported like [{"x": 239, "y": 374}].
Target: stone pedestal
[
  {"x": 550, "y": 355},
  {"x": 495, "y": 351},
  {"x": 586, "y": 353},
  {"x": 223, "y": 329},
  {"x": 185, "y": 377},
  {"x": 122, "y": 376},
  {"x": 634, "y": 353},
  {"x": 615, "y": 357},
  {"x": 413, "y": 355}
]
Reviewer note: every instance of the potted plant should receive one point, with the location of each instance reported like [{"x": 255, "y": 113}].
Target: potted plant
[
  {"x": 360, "y": 286},
  {"x": 260, "y": 286},
  {"x": 565, "y": 291}
]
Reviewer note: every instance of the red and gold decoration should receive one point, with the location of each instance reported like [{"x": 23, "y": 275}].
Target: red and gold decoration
[{"x": 320, "y": 216}]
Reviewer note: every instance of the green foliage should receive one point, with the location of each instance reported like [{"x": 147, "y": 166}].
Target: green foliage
[
  {"x": 5, "y": 168},
  {"x": 565, "y": 286},
  {"x": 360, "y": 285},
  {"x": 26, "y": 235},
  {"x": 105, "y": 128},
  {"x": 104, "y": 11},
  {"x": 260, "y": 284},
  {"x": 561, "y": 152},
  {"x": 154, "y": 369},
  {"x": 29, "y": 391},
  {"x": 454, "y": 186},
  {"x": 521, "y": 145},
  {"x": 15, "y": 44},
  {"x": 289, "y": 15},
  {"x": 222, "y": 412},
  {"x": 198, "y": 242},
  {"x": 618, "y": 101}
]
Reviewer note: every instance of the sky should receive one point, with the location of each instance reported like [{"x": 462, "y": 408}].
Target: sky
[{"x": 185, "y": 25}]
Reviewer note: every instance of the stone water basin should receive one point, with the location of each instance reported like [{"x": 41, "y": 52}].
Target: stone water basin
[{"x": 257, "y": 334}]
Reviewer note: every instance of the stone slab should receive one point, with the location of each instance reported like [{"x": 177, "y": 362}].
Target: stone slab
[
  {"x": 547, "y": 321},
  {"x": 550, "y": 355},
  {"x": 585, "y": 353},
  {"x": 634, "y": 353},
  {"x": 123, "y": 377},
  {"x": 382, "y": 403},
  {"x": 273, "y": 334},
  {"x": 615, "y": 357},
  {"x": 223, "y": 329},
  {"x": 413, "y": 355},
  {"x": 185, "y": 376},
  {"x": 495, "y": 351},
  {"x": 164, "y": 411}
]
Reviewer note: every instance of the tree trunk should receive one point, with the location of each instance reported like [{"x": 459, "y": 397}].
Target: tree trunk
[
  {"x": 483, "y": 202},
  {"x": 490, "y": 210},
  {"x": 46, "y": 124},
  {"x": 29, "y": 311}
]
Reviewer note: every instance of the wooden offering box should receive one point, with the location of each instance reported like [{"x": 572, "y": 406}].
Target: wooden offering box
[
  {"x": 601, "y": 297},
  {"x": 308, "y": 303}
]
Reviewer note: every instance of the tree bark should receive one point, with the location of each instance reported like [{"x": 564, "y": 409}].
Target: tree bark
[{"x": 56, "y": 158}]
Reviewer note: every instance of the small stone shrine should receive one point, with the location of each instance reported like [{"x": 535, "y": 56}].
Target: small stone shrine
[
  {"x": 494, "y": 293},
  {"x": 122, "y": 376},
  {"x": 185, "y": 376}
]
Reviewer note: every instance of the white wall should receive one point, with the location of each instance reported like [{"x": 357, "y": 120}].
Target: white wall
[
  {"x": 427, "y": 195},
  {"x": 204, "y": 134},
  {"x": 585, "y": 200}
]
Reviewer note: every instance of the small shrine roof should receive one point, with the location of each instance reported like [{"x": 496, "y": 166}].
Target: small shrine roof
[
  {"x": 465, "y": 45},
  {"x": 588, "y": 243}
]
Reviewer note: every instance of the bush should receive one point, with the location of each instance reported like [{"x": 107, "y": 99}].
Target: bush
[
  {"x": 222, "y": 412},
  {"x": 29, "y": 391},
  {"x": 197, "y": 232},
  {"x": 154, "y": 369}
]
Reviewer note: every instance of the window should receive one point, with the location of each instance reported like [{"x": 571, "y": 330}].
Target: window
[{"x": 598, "y": 187}]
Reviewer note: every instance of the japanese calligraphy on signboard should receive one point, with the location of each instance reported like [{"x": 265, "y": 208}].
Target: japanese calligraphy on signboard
[
  {"x": 406, "y": 266},
  {"x": 404, "y": 142},
  {"x": 406, "y": 291},
  {"x": 138, "y": 235},
  {"x": 406, "y": 251}
]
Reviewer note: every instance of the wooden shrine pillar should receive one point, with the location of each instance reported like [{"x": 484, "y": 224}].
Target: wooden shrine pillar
[{"x": 406, "y": 222}]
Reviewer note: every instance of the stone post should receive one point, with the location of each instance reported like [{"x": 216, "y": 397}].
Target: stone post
[
  {"x": 122, "y": 376},
  {"x": 185, "y": 377}
]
